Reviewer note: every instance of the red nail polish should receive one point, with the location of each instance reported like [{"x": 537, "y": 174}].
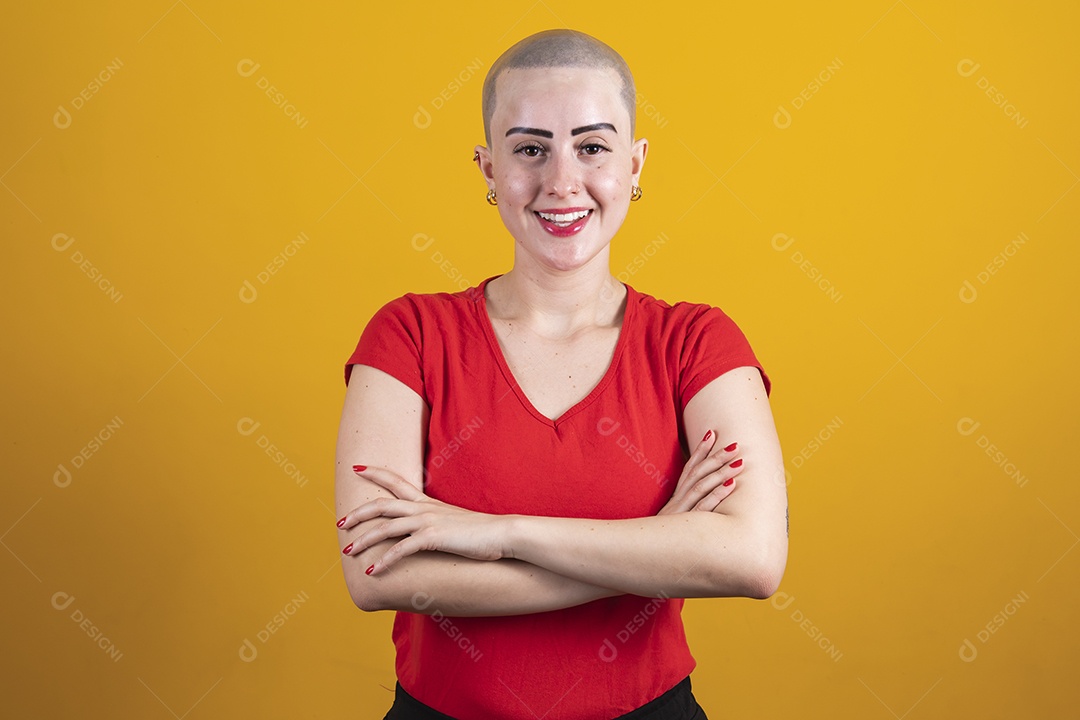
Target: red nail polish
[
  {"x": 368, "y": 571},
  {"x": 731, "y": 447},
  {"x": 347, "y": 549},
  {"x": 341, "y": 521},
  {"x": 728, "y": 482},
  {"x": 707, "y": 436},
  {"x": 359, "y": 468},
  {"x": 737, "y": 463}
]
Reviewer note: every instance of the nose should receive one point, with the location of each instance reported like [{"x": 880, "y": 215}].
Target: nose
[{"x": 563, "y": 178}]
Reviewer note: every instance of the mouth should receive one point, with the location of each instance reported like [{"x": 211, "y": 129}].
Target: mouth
[{"x": 563, "y": 224}]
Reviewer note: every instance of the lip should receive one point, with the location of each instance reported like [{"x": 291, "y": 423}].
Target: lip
[
  {"x": 567, "y": 231},
  {"x": 556, "y": 211}
]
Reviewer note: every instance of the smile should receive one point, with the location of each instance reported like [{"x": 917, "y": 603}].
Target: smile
[
  {"x": 564, "y": 220},
  {"x": 564, "y": 224}
]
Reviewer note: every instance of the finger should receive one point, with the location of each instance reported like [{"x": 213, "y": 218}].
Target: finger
[
  {"x": 699, "y": 452},
  {"x": 381, "y": 507},
  {"x": 407, "y": 546},
  {"x": 716, "y": 459},
  {"x": 711, "y": 501},
  {"x": 391, "y": 481},
  {"x": 396, "y": 528},
  {"x": 704, "y": 487},
  {"x": 708, "y": 465},
  {"x": 709, "y": 482}
]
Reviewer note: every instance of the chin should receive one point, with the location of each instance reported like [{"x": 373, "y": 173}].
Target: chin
[{"x": 571, "y": 259}]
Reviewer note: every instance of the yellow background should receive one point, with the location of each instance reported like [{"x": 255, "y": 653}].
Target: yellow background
[{"x": 179, "y": 179}]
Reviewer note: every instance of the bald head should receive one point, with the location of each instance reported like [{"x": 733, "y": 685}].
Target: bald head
[{"x": 556, "y": 49}]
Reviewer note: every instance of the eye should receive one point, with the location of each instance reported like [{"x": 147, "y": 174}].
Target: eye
[
  {"x": 594, "y": 148},
  {"x": 532, "y": 150}
]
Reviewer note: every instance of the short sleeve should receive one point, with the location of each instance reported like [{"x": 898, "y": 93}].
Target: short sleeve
[
  {"x": 392, "y": 342},
  {"x": 714, "y": 344}
]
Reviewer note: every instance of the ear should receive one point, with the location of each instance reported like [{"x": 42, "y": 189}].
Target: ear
[
  {"x": 483, "y": 161},
  {"x": 638, "y": 151}
]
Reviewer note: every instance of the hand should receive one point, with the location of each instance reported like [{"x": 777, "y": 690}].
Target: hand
[
  {"x": 701, "y": 485},
  {"x": 423, "y": 523}
]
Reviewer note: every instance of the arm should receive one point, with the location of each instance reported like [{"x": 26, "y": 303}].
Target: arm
[
  {"x": 383, "y": 423},
  {"x": 737, "y": 549}
]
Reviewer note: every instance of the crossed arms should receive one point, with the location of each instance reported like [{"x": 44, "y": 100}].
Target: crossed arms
[{"x": 424, "y": 555}]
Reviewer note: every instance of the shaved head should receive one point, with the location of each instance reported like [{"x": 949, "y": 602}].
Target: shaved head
[{"x": 559, "y": 49}]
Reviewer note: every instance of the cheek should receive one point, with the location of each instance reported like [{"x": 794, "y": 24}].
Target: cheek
[
  {"x": 608, "y": 185},
  {"x": 517, "y": 188}
]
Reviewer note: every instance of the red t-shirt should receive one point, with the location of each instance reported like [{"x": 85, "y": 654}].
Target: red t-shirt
[{"x": 618, "y": 453}]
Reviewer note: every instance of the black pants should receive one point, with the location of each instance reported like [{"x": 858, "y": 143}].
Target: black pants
[{"x": 678, "y": 703}]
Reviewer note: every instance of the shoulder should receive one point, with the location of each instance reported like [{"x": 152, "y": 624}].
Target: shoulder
[
  {"x": 406, "y": 332},
  {"x": 420, "y": 308},
  {"x": 700, "y": 340},
  {"x": 680, "y": 318}
]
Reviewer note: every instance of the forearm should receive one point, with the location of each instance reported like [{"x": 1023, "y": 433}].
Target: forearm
[
  {"x": 692, "y": 554},
  {"x": 437, "y": 582}
]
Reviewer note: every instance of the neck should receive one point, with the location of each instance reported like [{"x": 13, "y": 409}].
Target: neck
[{"x": 556, "y": 303}]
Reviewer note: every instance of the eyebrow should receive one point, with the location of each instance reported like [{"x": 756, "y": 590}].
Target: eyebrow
[{"x": 549, "y": 134}]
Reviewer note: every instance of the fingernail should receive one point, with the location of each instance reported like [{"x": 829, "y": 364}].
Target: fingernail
[
  {"x": 731, "y": 447},
  {"x": 707, "y": 436},
  {"x": 737, "y": 463},
  {"x": 359, "y": 468},
  {"x": 347, "y": 549},
  {"x": 341, "y": 521},
  {"x": 729, "y": 481},
  {"x": 368, "y": 571}
]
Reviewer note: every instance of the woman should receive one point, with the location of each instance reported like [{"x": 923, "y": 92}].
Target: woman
[{"x": 514, "y": 469}]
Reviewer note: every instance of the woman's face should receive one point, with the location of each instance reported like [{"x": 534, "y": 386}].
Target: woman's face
[{"x": 562, "y": 162}]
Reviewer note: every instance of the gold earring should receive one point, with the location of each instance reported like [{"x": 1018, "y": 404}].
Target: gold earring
[
  {"x": 476, "y": 156},
  {"x": 635, "y": 193},
  {"x": 492, "y": 200}
]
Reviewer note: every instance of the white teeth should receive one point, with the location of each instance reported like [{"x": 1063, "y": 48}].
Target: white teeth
[{"x": 564, "y": 220}]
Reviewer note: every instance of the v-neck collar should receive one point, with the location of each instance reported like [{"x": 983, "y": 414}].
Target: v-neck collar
[{"x": 480, "y": 303}]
